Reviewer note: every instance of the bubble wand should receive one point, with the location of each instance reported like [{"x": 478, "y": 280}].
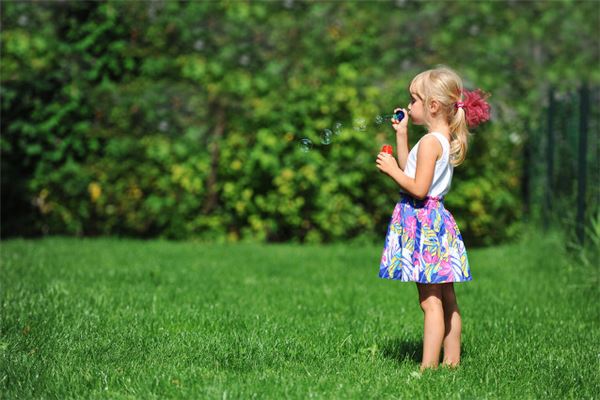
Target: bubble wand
[{"x": 398, "y": 116}]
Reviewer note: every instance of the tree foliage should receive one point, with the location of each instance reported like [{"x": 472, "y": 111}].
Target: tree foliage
[{"x": 183, "y": 119}]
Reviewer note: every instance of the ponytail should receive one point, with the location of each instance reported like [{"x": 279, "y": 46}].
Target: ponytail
[{"x": 462, "y": 109}]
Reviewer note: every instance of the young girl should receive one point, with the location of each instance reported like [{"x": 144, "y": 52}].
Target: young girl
[{"x": 423, "y": 243}]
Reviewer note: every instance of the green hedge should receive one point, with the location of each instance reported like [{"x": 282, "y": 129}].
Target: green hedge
[{"x": 183, "y": 120}]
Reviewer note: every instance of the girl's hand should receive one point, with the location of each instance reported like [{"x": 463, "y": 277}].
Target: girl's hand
[
  {"x": 387, "y": 163},
  {"x": 400, "y": 126}
]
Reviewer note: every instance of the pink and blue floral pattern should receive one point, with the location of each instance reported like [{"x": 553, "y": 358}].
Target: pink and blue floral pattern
[{"x": 423, "y": 244}]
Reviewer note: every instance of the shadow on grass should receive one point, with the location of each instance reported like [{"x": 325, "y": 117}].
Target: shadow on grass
[
  {"x": 403, "y": 349},
  {"x": 407, "y": 349}
]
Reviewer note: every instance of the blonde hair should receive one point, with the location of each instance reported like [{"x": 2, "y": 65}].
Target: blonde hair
[{"x": 444, "y": 85}]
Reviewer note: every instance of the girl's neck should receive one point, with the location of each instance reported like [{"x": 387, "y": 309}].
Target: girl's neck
[{"x": 439, "y": 126}]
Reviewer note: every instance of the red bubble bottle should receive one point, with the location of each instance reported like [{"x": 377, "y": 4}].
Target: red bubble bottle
[{"x": 387, "y": 149}]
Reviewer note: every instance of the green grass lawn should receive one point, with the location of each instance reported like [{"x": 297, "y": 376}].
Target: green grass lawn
[{"x": 110, "y": 318}]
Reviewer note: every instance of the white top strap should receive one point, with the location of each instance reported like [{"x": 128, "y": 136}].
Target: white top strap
[{"x": 445, "y": 143}]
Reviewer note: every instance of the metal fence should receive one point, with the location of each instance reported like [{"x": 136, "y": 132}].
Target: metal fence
[{"x": 561, "y": 169}]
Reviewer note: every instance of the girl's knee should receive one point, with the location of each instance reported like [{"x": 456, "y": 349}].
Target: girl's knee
[
  {"x": 431, "y": 303},
  {"x": 430, "y": 297}
]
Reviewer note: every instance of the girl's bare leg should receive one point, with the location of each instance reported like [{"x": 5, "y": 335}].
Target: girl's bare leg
[
  {"x": 430, "y": 298},
  {"x": 452, "y": 323}
]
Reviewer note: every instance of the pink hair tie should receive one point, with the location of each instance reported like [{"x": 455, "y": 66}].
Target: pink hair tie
[{"x": 459, "y": 104}]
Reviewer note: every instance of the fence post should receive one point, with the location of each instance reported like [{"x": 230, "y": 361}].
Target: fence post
[
  {"x": 526, "y": 179},
  {"x": 549, "y": 159},
  {"x": 584, "y": 102}
]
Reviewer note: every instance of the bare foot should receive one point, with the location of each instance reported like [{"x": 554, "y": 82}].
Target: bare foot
[
  {"x": 450, "y": 365},
  {"x": 424, "y": 367}
]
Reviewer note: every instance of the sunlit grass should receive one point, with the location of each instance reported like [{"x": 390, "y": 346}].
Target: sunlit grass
[{"x": 109, "y": 318}]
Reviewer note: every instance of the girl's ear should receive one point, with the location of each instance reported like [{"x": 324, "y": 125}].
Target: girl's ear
[{"x": 434, "y": 107}]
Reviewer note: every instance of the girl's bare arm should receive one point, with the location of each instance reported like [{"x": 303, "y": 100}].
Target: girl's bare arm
[
  {"x": 402, "y": 149},
  {"x": 418, "y": 186},
  {"x": 401, "y": 128}
]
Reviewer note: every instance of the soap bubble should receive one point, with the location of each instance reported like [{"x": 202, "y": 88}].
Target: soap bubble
[
  {"x": 337, "y": 128},
  {"x": 360, "y": 124},
  {"x": 380, "y": 119},
  {"x": 326, "y": 136},
  {"x": 305, "y": 145}
]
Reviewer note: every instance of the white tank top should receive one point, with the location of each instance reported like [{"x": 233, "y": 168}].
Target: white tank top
[{"x": 442, "y": 176}]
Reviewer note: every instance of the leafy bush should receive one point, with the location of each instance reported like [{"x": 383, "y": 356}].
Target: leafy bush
[{"x": 183, "y": 120}]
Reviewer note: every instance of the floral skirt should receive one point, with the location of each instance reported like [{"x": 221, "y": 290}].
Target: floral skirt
[{"x": 423, "y": 244}]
